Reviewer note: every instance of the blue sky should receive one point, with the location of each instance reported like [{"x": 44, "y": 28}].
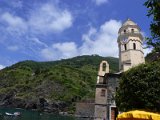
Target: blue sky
[{"x": 46, "y": 30}]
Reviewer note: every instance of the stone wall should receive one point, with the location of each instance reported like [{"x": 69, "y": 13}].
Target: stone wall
[{"x": 85, "y": 109}]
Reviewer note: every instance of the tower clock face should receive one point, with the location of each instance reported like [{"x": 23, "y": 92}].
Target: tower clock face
[{"x": 124, "y": 40}]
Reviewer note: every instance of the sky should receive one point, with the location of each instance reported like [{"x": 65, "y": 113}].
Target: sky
[{"x": 48, "y": 30}]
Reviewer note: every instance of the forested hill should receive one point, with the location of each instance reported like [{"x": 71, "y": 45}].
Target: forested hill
[{"x": 28, "y": 84}]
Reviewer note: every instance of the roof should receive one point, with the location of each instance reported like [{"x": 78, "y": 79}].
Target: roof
[
  {"x": 117, "y": 75},
  {"x": 129, "y": 22},
  {"x": 137, "y": 114}
]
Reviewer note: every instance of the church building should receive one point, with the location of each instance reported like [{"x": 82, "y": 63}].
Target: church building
[{"x": 130, "y": 42}]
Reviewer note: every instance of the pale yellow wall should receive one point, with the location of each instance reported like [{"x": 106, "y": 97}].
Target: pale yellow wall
[
  {"x": 137, "y": 57},
  {"x": 125, "y": 56},
  {"x": 98, "y": 98},
  {"x": 101, "y": 72},
  {"x": 126, "y": 67}
]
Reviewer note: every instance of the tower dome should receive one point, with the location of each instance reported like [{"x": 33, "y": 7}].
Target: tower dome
[
  {"x": 130, "y": 28},
  {"x": 129, "y": 22}
]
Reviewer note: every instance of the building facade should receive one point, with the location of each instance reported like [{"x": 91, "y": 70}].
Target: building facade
[
  {"x": 107, "y": 83},
  {"x": 101, "y": 92},
  {"x": 131, "y": 54}
]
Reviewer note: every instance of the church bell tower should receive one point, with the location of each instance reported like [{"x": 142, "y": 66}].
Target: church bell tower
[
  {"x": 101, "y": 92},
  {"x": 130, "y": 42}
]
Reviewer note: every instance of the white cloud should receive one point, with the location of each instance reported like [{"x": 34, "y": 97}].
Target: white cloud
[
  {"x": 19, "y": 32},
  {"x": 100, "y": 2},
  {"x": 59, "y": 51},
  {"x": 42, "y": 19},
  {"x": 47, "y": 54},
  {"x": 147, "y": 50},
  {"x": 102, "y": 42},
  {"x": 2, "y": 66},
  {"x": 14, "y": 22},
  {"x": 38, "y": 42},
  {"x": 13, "y": 48},
  {"x": 49, "y": 18}
]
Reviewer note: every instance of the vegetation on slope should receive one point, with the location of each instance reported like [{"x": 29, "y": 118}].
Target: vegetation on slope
[{"x": 66, "y": 80}]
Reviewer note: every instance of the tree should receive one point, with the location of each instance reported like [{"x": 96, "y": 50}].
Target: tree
[
  {"x": 139, "y": 88},
  {"x": 154, "y": 12}
]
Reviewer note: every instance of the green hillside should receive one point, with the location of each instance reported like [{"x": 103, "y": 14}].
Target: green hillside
[{"x": 37, "y": 85}]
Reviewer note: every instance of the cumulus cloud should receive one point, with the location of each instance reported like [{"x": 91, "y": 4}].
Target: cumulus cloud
[
  {"x": 13, "y": 22},
  {"x": 2, "y": 66},
  {"x": 102, "y": 41},
  {"x": 26, "y": 33},
  {"x": 49, "y": 18},
  {"x": 100, "y": 2},
  {"x": 60, "y": 50}
]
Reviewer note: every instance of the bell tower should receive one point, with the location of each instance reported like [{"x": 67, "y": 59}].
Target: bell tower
[
  {"x": 101, "y": 92},
  {"x": 130, "y": 42}
]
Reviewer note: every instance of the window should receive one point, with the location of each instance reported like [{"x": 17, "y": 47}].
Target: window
[
  {"x": 125, "y": 46},
  {"x": 100, "y": 80},
  {"x": 103, "y": 93},
  {"x": 104, "y": 67},
  {"x": 124, "y": 31},
  {"x": 132, "y": 30},
  {"x": 134, "y": 46}
]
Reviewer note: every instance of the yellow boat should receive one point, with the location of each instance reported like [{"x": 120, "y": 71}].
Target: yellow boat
[{"x": 138, "y": 115}]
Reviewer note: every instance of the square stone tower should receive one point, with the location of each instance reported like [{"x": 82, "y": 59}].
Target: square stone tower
[{"x": 101, "y": 92}]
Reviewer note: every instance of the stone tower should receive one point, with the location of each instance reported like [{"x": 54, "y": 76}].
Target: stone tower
[
  {"x": 101, "y": 92},
  {"x": 130, "y": 42}
]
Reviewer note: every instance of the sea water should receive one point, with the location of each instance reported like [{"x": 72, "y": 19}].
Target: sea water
[{"x": 31, "y": 115}]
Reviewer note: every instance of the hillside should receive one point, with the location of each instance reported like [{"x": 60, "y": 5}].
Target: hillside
[{"x": 51, "y": 86}]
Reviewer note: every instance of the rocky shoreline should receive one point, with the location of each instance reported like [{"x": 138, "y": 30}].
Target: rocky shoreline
[{"x": 40, "y": 104}]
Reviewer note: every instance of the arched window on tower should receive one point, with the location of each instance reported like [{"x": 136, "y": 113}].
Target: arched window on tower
[
  {"x": 132, "y": 30},
  {"x": 124, "y": 31},
  {"x": 134, "y": 46},
  {"x": 125, "y": 46},
  {"x": 104, "y": 67}
]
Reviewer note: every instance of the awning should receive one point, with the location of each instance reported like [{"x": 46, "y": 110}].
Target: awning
[{"x": 138, "y": 115}]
